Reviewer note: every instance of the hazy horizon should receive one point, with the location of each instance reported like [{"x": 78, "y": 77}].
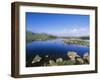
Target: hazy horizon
[{"x": 58, "y": 24}]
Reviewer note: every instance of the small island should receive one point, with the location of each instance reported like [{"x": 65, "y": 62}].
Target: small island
[{"x": 76, "y": 41}]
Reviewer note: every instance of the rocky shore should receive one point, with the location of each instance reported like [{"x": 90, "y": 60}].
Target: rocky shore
[{"x": 72, "y": 58}]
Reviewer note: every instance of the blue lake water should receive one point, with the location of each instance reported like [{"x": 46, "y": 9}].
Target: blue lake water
[{"x": 54, "y": 48}]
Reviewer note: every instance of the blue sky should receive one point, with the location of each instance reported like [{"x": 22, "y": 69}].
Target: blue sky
[{"x": 58, "y": 24}]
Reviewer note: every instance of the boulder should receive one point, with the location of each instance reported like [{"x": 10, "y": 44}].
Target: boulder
[
  {"x": 72, "y": 55},
  {"x": 46, "y": 56},
  {"x": 37, "y": 58},
  {"x": 52, "y": 63},
  {"x": 86, "y": 56},
  {"x": 59, "y": 60}
]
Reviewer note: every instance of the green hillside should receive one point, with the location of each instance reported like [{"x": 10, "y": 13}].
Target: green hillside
[{"x": 38, "y": 36}]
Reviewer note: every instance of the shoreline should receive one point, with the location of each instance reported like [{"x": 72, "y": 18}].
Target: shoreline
[
  {"x": 72, "y": 58},
  {"x": 67, "y": 41}
]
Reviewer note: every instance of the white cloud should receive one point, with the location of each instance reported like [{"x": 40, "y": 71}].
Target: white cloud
[{"x": 74, "y": 32}]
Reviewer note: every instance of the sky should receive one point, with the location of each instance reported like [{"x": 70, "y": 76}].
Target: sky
[{"x": 58, "y": 24}]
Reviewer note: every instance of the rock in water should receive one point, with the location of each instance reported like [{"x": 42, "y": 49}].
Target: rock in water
[
  {"x": 86, "y": 56},
  {"x": 72, "y": 55},
  {"x": 59, "y": 60},
  {"x": 46, "y": 56},
  {"x": 52, "y": 63},
  {"x": 37, "y": 58}
]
